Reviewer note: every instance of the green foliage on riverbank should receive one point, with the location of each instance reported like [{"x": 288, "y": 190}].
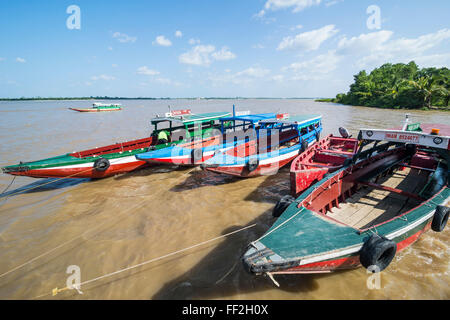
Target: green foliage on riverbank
[{"x": 399, "y": 86}]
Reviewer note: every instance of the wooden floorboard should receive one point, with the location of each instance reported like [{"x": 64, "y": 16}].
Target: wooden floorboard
[{"x": 370, "y": 206}]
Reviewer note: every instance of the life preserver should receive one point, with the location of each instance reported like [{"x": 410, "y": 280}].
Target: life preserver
[
  {"x": 282, "y": 205},
  {"x": 101, "y": 164},
  {"x": 377, "y": 253},
  {"x": 440, "y": 218}
]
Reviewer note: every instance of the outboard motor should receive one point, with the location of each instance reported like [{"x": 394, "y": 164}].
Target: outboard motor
[{"x": 344, "y": 132}]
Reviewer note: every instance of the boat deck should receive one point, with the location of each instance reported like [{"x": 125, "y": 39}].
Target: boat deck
[{"x": 369, "y": 206}]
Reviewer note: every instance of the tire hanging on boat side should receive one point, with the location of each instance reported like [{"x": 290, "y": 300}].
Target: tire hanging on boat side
[
  {"x": 252, "y": 164},
  {"x": 197, "y": 155},
  {"x": 440, "y": 218},
  {"x": 377, "y": 253},
  {"x": 304, "y": 145},
  {"x": 101, "y": 164},
  {"x": 282, "y": 205}
]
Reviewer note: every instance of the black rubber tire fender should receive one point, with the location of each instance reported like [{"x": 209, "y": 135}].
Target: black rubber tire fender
[
  {"x": 252, "y": 164},
  {"x": 197, "y": 155},
  {"x": 101, "y": 164},
  {"x": 282, "y": 205},
  {"x": 377, "y": 252},
  {"x": 304, "y": 146},
  {"x": 440, "y": 218}
]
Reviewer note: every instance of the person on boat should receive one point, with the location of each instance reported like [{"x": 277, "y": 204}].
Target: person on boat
[{"x": 163, "y": 137}]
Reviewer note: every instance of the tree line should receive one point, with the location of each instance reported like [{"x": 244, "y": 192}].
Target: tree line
[{"x": 399, "y": 86}]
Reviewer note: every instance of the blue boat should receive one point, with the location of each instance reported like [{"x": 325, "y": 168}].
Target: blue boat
[
  {"x": 233, "y": 131},
  {"x": 277, "y": 142}
]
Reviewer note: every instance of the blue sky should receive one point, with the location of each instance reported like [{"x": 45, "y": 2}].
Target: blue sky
[{"x": 228, "y": 48}]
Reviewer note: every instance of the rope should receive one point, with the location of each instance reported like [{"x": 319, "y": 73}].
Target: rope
[
  {"x": 6, "y": 189},
  {"x": 56, "y": 290},
  {"x": 281, "y": 224},
  {"x": 61, "y": 245}
]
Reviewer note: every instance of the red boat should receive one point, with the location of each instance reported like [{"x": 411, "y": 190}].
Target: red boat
[{"x": 327, "y": 155}]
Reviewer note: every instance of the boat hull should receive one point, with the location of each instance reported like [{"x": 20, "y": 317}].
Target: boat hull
[
  {"x": 269, "y": 167},
  {"x": 319, "y": 236},
  {"x": 309, "y": 167},
  {"x": 85, "y": 170},
  {"x": 95, "y": 109}
]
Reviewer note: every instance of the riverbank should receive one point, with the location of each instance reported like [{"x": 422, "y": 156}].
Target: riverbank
[{"x": 432, "y": 108}]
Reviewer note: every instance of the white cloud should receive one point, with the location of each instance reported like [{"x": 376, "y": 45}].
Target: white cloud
[
  {"x": 110, "y": 48},
  {"x": 258, "y": 46},
  {"x": 299, "y": 26},
  {"x": 376, "y": 48},
  {"x": 178, "y": 34},
  {"x": 2, "y": 59},
  {"x": 162, "y": 41},
  {"x": 297, "y": 5},
  {"x": 146, "y": 71},
  {"x": 315, "y": 68},
  {"x": 199, "y": 55},
  {"x": 103, "y": 77},
  {"x": 193, "y": 41},
  {"x": 21, "y": 60},
  {"x": 124, "y": 38},
  {"x": 310, "y": 40},
  {"x": 114, "y": 65},
  {"x": 223, "y": 54},
  {"x": 203, "y": 55},
  {"x": 246, "y": 76},
  {"x": 332, "y": 2}
]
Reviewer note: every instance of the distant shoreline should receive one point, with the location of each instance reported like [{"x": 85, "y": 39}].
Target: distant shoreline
[
  {"x": 148, "y": 98},
  {"x": 433, "y": 108}
]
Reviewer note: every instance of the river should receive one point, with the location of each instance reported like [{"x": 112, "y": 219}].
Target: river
[{"x": 105, "y": 225}]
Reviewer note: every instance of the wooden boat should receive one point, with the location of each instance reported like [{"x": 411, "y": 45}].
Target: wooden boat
[
  {"x": 267, "y": 153},
  {"x": 99, "y": 107},
  {"x": 327, "y": 155},
  {"x": 120, "y": 157},
  {"x": 364, "y": 213},
  {"x": 198, "y": 151}
]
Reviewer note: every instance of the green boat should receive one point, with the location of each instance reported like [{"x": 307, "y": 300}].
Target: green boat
[
  {"x": 178, "y": 126},
  {"x": 98, "y": 107},
  {"x": 379, "y": 203}
]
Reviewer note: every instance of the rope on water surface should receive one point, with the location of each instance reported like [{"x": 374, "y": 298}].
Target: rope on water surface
[
  {"x": 69, "y": 241},
  {"x": 55, "y": 291},
  {"x": 6, "y": 189}
]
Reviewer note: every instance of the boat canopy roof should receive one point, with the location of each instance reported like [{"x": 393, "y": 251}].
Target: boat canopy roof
[
  {"x": 297, "y": 120},
  {"x": 192, "y": 118},
  {"x": 253, "y": 118},
  {"x": 410, "y": 137},
  {"x": 98, "y": 104}
]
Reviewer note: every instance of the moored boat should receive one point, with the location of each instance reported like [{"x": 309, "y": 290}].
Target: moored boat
[
  {"x": 98, "y": 107},
  {"x": 276, "y": 143},
  {"x": 231, "y": 133},
  {"x": 120, "y": 157},
  {"x": 327, "y": 155},
  {"x": 363, "y": 213}
]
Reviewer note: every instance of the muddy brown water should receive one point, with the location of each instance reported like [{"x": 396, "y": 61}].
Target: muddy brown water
[{"x": 110, "y": 224}]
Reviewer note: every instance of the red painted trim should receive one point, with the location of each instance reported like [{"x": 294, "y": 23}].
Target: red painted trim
[
  {"x": 353, "y": 261},
  {"x": 83, "y": 172}
]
